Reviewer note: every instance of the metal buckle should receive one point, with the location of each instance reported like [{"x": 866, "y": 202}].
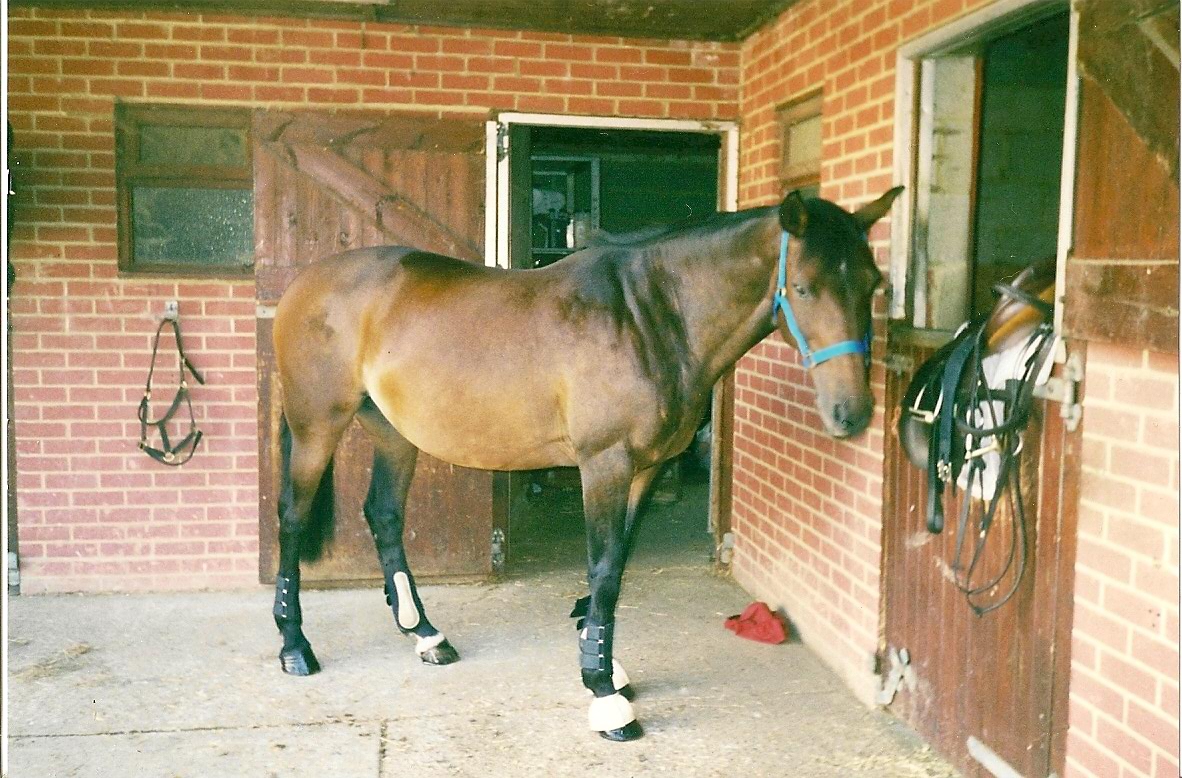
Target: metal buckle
[
  {"x": 994, "y": 445},
  {"x": 927, "y": 417}
]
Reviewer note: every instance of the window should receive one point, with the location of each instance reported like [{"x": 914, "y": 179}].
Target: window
[
  {"x": 800, "y": 149},
  {"x": 184, "y": 190},
  {"x": 988, "y": 125}
]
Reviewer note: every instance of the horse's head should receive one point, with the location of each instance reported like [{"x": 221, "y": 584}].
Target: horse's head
[{"x": 823, "y": 302}]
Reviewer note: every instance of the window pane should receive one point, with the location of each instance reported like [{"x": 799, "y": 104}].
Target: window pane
[
  {"x": 172, "y": 145},
  {"x": 1020, "y": 157},
  {"x": 193, "y": 226},
  {"x": 804, "y": 142}
]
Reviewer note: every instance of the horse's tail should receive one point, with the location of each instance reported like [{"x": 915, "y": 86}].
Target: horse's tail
[{"x": 316, "y": 532}]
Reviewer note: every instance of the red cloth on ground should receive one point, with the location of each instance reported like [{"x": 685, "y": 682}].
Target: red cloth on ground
[{"x": 758, "y": 623}]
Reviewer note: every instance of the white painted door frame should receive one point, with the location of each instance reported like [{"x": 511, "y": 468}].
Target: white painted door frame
[{"x": 496, "y": 186}]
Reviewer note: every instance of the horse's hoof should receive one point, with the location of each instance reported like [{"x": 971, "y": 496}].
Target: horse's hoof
[
  {"x": 299, "y": 661},
  {"x": 627, "y": 692},
  {"x": 442, "y": 654},
  {"x": 630, "y": 731}
]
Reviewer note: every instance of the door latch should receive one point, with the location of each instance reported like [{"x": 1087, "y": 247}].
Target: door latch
[{"x": 1064, "y": 389}]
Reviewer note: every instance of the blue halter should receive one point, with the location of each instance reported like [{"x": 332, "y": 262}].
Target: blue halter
[{"x": 780, "y": 302}]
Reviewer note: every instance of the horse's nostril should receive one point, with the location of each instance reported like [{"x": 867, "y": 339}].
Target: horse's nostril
[
  {"x": 842, "y": 415},
  {"x": 849, "y": 416}
]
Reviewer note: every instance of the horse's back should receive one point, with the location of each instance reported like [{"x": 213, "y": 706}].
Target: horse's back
[
  {"x": 478, "y": 366},
  {"x": 425, "y": 336}
]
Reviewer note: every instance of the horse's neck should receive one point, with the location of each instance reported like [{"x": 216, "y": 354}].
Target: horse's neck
[{"x": 724, "y": 288}]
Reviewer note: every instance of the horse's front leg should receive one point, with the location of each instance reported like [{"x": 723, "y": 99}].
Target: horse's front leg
[{"x": 608, "y": 486}]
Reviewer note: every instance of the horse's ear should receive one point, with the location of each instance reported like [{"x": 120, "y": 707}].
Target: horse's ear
[
  {"x": 794, "y": 217},
  {"x": 868, "y": 214}
]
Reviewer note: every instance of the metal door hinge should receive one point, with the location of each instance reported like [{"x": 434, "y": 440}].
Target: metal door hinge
[
  {"x": 899, "y": 363},
  {"x": 899, "y": 674},
  {"x": 726, "y": 549},
  {"x": 498, "y": 551},
  {"x": 14, "y": 573},
  {"x": 1064, "y": 389},
  {"x": 502, "y": 141}
]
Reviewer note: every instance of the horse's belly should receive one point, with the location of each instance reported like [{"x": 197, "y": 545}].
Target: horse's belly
[{"x": 479, "y": 427}]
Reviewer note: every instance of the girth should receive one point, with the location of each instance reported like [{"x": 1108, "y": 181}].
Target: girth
[{"x": 182, "y": 451}]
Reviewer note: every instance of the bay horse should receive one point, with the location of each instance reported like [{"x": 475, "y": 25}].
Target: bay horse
[{"x": 611, "y": 363}]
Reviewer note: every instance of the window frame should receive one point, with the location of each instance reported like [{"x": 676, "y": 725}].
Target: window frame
[
  {"x": 907, "y": 305},
  {"x": 794, "y": 112},
  {"x": 130, "y": 173}
]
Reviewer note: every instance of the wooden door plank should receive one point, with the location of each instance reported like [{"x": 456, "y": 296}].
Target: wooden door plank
[{"x": 402, "y": 220}]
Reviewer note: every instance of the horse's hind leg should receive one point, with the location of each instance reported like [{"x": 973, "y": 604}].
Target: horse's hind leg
[
  {"x": 305, "y": 509},
  {"x": 385, "y": 510}
]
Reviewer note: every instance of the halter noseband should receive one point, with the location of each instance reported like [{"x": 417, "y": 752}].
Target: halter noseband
[{"x": 780, "y": 302}]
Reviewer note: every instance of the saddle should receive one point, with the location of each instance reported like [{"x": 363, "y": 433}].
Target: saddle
[
  {"x": 964, "y": 426},
  {"x": 168, "y": 453}
]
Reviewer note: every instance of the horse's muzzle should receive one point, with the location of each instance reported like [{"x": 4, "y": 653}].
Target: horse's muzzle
[{"x": 850, "y": 416}]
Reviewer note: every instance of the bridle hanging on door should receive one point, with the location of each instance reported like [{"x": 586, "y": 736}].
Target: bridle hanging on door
[
  {"x": 169, "y": 454},
  {"x": 955, "y": 416}
]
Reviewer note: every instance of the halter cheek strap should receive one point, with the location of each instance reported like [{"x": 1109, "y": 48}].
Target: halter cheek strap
[{"x": 780, "y": 302}]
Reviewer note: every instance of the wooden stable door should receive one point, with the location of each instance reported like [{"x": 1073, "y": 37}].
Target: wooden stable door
[
  {"x": 325, "y": 183},
  {"x": 1001, "y": 678}
]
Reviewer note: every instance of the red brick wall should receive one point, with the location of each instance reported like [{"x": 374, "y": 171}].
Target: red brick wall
[
  {"x": 1124, "y": 655},
  {"x": 95, "y": 513},
  {"x": 807, "y": 509}
]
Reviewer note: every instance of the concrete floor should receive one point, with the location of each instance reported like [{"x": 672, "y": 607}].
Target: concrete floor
[{"x": 172, "y": 685}]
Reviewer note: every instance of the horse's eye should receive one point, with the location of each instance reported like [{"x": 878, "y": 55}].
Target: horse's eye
[{"x": 802, "y": 291}]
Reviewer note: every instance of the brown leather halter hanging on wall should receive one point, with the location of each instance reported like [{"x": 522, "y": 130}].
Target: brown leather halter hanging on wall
[{"x": 182, "y": 452}]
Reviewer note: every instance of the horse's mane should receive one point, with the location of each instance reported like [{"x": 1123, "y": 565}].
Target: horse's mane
[{"x": 686, "y": 228}]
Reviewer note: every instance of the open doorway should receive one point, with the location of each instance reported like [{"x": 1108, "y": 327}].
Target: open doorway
[
  {"x": 989, "y": 153},
  {"x": 565, "y": 184}
]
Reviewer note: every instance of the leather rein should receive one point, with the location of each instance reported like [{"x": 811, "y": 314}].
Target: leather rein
[{"x": 169, "y": 454}]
